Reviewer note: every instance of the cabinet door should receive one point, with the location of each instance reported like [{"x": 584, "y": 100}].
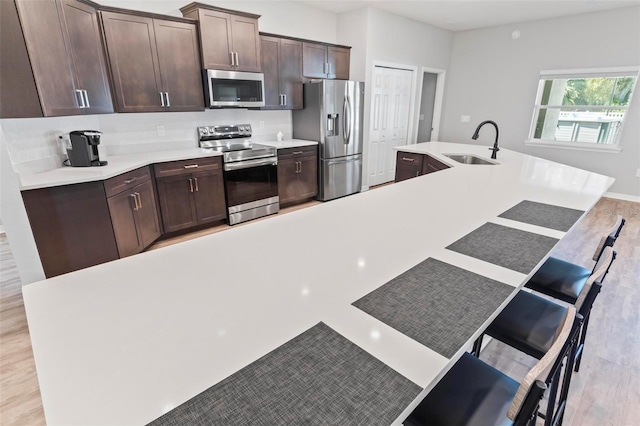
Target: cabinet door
[
  {"x": 270, "y": 53},
  {"x": 404, "y": 172},
  {"x": 215, "y": 34},
  {"x": 177, "y": 205},
  {"x": 245, "y": 42},
  {"x": 307, "y": 177},
  {"x": 209, "y": 196},
  {"x": 179, "y": 59},
  {"x": 131, "y": 47},
  {"x": 314, "y": 60},
  {"x": 123, "y": 209},
  {"x": 82, "y": 34},
  {"x": 290, "y": 58},
  {"x": 19, "y": 96},
  {"x": 49, "y": 59},
  {"x": 287, "y": 180},
  {"x": 147, "y": 221},
  {"x": 338, "y": 59}
]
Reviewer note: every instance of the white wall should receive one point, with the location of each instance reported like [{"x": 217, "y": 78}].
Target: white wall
[
  {"x": 392, "y": 40},
  {"x": 493, "y": 76}
]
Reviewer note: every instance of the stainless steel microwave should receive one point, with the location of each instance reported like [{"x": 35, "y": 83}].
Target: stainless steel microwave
[{"x": 234, "y": 89}]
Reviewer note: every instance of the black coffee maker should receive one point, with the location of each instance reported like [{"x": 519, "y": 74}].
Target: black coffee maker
[{"x": 84, "y": 148}]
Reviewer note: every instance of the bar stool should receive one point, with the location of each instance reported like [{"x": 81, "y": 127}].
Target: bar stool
[
  {"x": 529, "y": 323},
  {"x": 474, "y": 393},
  {"x": 563, "y": 280}
]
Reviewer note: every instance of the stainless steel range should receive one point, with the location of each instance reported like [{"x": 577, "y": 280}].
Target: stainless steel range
[{"x": 250, "y": 171}]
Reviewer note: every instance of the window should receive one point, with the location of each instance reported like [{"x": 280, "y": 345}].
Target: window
[{"x": 582, "y": 109}]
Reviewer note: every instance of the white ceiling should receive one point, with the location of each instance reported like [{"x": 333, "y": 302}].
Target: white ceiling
[{"x": 460, "y": 15}]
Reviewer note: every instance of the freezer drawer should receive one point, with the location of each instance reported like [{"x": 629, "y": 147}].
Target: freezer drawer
[{"x": 339, "y": 177}]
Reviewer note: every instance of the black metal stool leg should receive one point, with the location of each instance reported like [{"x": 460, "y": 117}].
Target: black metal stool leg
[
  {"x": 477, "y": 346},
  {"x": 580, "y": 345}
]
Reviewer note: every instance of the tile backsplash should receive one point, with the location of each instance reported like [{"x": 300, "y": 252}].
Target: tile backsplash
[{"x": 33, "y": 142}]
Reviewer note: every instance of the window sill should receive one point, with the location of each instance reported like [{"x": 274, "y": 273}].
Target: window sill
[{"x": 577, "y": 146}]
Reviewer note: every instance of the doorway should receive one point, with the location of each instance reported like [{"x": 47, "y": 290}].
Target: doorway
[
  {"x": 391, "y": 97},
  {"x": 431, "y": 96}
]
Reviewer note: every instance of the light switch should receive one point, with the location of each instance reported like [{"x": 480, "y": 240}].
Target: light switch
[
  {"x": 638, "y": 173},
  {"x": 465, "y": 118},
  {"x": 160, "y": 130}
]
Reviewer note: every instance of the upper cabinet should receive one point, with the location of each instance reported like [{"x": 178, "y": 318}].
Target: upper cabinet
[
  {"x": 154, "y": 62},
  {"x": 229, "y": 39},
  {"x": 282, "y": 68},
  {"x": 66, "y": 57},
  {"x": 325, "y": 61}
]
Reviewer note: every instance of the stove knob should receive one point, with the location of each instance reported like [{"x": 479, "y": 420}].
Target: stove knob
[
  {"x": 212, "y": 130},
  {"x": 204, "y": 131}
]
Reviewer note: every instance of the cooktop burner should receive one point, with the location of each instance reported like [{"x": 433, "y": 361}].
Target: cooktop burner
[{"x": 234, "y": 141}]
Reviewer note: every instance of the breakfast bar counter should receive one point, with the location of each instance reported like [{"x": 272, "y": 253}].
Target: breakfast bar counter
[{"x": 127, "y": 341}]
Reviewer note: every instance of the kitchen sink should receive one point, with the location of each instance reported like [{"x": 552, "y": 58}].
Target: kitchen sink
[{"x": 470, "y": 159}]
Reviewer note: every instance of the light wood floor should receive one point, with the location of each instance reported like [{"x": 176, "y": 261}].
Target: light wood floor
[{"x": 606, "y": 391}]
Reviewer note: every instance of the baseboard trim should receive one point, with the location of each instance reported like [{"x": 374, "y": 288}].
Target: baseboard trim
[{"x": 624, "y": 197}]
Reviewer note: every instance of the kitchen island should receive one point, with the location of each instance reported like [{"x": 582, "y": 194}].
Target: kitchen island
[{"x": 127, "y": 341}]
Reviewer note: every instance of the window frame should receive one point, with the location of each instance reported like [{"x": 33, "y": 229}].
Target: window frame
[{"x": 580, "y": 73}]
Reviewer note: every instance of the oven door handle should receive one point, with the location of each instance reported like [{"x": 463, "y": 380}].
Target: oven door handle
[{"x": 251, "y": 163}]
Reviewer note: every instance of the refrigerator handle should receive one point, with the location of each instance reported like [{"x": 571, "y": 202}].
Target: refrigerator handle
[{"x": 346, "y": 120}]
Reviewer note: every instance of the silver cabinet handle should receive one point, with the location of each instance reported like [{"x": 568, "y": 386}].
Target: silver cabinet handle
[
  {"x": 285, "y": 100},
  {"x": 417, "y": 173},
  {"x": 135, "y": 201},
  {"x": 408, "y": 159},
  {"x": 139, "y": 200},
  {"x": 297, "y": 152},
  {"x": 162, "y": 99},
  {"x": 233, "y": 59},
  {"x": 191, "y": 166},
  {"x": 79, "y": 92},
  {"x": 329, "y": 66},
  {"x": 128, "y": 181},
  {"x": 190, "y": 185},
  {"x": 86, "y": 97},
  {"x": 196, "y": 182},
  {"x": 237, "y": 59},
  {"x": 166, "y": 94}
]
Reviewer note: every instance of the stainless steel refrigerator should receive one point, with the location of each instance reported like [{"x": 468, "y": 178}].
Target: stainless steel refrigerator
[{"x": 332, "y": 115}]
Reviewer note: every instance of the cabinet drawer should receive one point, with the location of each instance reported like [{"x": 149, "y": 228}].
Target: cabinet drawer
[
  {"x": 409, "y": 159},
  {"x": 122, "y": 182},
  {"x": 302, "y": 151},
  {"x": 174, "y": 168}
]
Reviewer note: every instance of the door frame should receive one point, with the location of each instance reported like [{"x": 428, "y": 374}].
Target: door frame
[
  {"x": 437, "y": 102},
  {"x": 412, "y": 129}
]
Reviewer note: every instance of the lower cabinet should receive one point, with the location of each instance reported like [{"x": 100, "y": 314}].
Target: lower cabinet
[
  {"x": 134, "y": 216},
  {"x": 410, "y": 165},
  {"x": 188, "y": 197},
  {"x": 297, "y": 174}
]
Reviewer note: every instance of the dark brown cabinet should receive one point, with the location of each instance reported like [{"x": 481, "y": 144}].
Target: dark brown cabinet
[
  {"x": 71, "y": 225},
  {"x": 134, "y": 211},
  {"x": 410, "y": 165},
  {"x": 190, "y": 192},
  {"x": 66, "y": 56},
  {"x": 297, "y": 174},
  {"x": 229, "y": 39},
  {"x": 325, "y": 61},
  {"x": 282, "y": 68},
  {"x": 155, "y": 63}
]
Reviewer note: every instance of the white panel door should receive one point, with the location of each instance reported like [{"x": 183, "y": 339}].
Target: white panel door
[{"x": 390, "y": 103}]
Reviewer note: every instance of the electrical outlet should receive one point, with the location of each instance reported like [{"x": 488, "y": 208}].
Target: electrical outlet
[
  {"x": 638, "y": 173},
  {"x": 421, "y": 117},
  {"x": 465, "y": 119},
  {"x": 262, "y": 124},
  {"x": 160, "y": 130}
]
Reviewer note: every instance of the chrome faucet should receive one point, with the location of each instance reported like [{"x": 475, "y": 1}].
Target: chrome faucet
[{"x": 495, "y": 145}]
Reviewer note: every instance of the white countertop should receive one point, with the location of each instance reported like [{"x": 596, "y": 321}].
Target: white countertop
[
  {"x": 126, "y": 341},
  {"x": 119, "y": 164}
]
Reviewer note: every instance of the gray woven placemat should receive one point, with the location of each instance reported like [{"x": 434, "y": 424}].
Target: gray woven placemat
[
  {"x": 545, "y": 215},
  {"x": 436, "y": 304},
  {"x": 508, "y": 247},
  {"x": 317, "y": 378}
]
